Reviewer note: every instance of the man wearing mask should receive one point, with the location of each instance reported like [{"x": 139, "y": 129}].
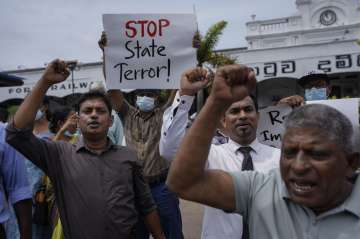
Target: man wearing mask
[
  {"x": 316, "y": 86},
  {"x": 142, "y": 129}
]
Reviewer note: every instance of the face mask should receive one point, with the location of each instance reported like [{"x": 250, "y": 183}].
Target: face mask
[
  {"x": 39, "y": 115},
  {"x": 68, "y": 133},
  {"x": 145, "y": 103},
  {"x": 315, "y": 94}
]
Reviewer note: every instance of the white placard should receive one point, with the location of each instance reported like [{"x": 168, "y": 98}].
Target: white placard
[
  {"x": 148, "y": 51},
  {"x": 271, "y": 124},
  {"x": 271, "y": 121}
]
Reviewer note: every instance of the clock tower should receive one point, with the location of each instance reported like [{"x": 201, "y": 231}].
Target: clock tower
[{"x": 328, "y": 13}]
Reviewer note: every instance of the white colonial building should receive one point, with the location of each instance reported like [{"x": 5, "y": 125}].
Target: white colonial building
[{"x": 321, "y": 36}]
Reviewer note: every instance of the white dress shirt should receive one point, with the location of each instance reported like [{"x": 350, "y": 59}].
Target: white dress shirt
[
  {"x": 216, "y": 223},
  {"x": 175, "y": 121}
]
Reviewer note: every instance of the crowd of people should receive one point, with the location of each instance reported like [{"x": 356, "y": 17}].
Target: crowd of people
[{"x": 65, "y": 172}]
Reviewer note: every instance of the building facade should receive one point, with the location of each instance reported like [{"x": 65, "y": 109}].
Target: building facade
[
  {"x": 79, "y": 81},
  {"x": 321, "y": 36}
]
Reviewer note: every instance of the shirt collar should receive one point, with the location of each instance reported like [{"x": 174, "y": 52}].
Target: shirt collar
[
  {"x": 80, "y": 144},
  {"x": 234, "y": 146}
]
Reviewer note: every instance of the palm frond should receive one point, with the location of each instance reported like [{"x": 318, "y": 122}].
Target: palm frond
[
  {"x": 209, "y": 42},
  {"x": 219, "y": 59}
]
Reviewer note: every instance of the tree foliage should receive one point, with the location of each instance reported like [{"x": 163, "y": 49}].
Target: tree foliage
[{"x": 205, "y": 52}]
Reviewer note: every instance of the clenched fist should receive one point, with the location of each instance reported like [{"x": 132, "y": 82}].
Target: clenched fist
[
  {"x": 193, "y": 80},
  {"x": 232, "y": 83},
  {"x": 57, "y": 71}
]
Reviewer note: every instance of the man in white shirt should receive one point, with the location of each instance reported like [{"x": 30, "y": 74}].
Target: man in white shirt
[{"x": 242, "y": 151}]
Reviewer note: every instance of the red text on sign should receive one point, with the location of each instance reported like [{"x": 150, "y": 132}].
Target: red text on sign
[{"x": 146, "y": 28}]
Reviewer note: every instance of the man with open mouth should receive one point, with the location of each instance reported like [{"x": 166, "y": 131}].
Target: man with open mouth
[
  {"x": 316, "y": 192},
  {"x": 99, "y": 186}
]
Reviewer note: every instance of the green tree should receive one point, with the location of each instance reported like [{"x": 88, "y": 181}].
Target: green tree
[{"x": 207, "y": 44}]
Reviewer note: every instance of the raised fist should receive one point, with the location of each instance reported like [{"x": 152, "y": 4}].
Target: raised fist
[
  {"x": 57, "y": 71},
  {"x": 233, "y": 83},
  {"x": 193, "y": 80},
  {"x": 70, "y": 123}
]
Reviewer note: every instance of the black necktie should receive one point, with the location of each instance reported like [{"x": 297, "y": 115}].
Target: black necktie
[{"x": 247, "y": 164}]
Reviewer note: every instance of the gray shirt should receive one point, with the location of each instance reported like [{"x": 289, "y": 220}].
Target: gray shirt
[
  {"x": 264, "y": 201},
  {"x": 96, "y": 194}
]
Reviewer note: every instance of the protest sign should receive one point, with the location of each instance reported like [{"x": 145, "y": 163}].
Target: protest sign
[
  {"x": 271, "y": 121},
  {"x": 148, "y": 51},
  {"x": 271, "y": 125}
]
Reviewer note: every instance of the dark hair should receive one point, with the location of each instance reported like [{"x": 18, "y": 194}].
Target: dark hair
[
  {"x": 255, "y": 101},
  {"x": 302, "y": 81},
  {"x": 94, "y": 94},
  {"x": 4, "y": 114},
  {"x": 58, "y": 114},
  {"x": 46, "y": 100},
  {"x": 152, "y": 91}
]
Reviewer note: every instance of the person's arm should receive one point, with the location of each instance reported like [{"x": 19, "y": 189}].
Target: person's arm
[
  {"x": 116, "y": 96},
  {"x": 175, "y": 121},
  {"x": 152, "y": 222},
  {"x": 188, "y": 176},
  {"x": 145, "y": 203},
  {"x": 23, "y": 211},
  {"x": 175, "y": 118},
  {"x": 19, "y": 132},
  {"x": 14, "y": 178},
  {"x": 293, "y": 101},
  {"x": 70, "y": 123},
  {"x": 56, "y": 72}
]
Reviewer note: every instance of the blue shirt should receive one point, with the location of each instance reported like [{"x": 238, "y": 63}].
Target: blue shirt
[
  {"x": 115, "y": 132},
  {"x": 14, "y": 185}
]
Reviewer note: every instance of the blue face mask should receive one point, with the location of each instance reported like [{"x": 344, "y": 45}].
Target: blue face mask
[
  {"x": 39, "y": 115},
  {"x": 68, "y": 133},
  {"x": 315, "y": 94},
  {"x": 145, "y": 103}
]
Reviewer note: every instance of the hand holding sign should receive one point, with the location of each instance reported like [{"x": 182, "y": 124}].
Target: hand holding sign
[
  {"x": 293, "y": 101},
  {"x": 102, "y": 41},
  {"x": 147, "y": 51}
]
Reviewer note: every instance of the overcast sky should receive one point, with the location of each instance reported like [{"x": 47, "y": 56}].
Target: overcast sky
[{"x": 37, "y": 31}]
